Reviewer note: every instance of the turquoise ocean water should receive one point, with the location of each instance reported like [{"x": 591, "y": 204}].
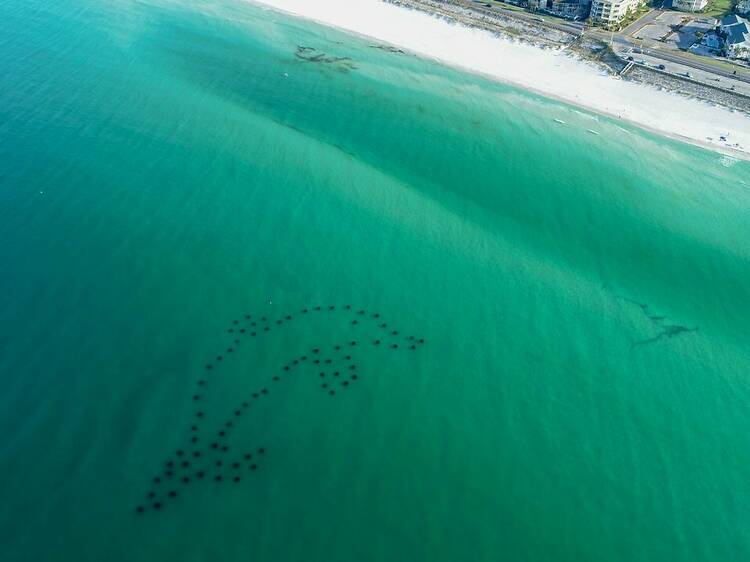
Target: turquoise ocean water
[{"x": 167, "y": 167}]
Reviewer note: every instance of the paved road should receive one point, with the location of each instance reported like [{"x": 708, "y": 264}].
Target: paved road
[
  {"x": 640, "y": 22},
  {"x": 559, "y": 25},
  {"x": 676, "y": 57},
  {"x": 576, "y": 28}
]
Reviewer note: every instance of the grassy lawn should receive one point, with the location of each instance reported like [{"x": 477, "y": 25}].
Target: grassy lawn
[
  {"x": 630, "y": 18},
  {"x": 635, "y": 16},
  {"x": 718, "y": 8},
  {"x": 508, "y": 6},
  {"x": 714, "y": 62}
]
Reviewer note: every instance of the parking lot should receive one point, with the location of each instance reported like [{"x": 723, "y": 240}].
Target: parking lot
[{"x": 675, "y": 30}]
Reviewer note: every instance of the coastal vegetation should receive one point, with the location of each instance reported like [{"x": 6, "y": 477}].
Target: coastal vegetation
[
  {"x": 509, "y": 6},
  {"x": 719, "y": 8},
  {"x": 631, "y": 17}
]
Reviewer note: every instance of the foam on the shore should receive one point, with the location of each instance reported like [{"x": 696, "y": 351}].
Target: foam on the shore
[{"x": 551, "y": 72}]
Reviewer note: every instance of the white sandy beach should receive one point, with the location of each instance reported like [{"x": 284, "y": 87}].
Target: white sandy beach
[{"x": 554, "y": 73}]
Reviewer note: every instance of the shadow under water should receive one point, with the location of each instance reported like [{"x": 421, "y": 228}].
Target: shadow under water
[
  {"x": 208, "y": 455},
  {"x": 311, "y": 54},
  {"x": 667, "y": 331}
]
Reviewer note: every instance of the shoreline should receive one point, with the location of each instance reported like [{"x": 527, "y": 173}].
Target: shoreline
[{"x": 546, "y": 72}]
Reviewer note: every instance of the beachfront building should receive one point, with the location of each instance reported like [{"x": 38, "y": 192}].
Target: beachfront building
[
  {"x": 611, "y": 12},
  {"x": 689, "y": 5},
  {"x": 736, "y": 33},
  {"x": 571, "y": 9}
]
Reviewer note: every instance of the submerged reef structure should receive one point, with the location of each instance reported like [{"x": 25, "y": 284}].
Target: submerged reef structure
[{"x": 311, "y": 54}]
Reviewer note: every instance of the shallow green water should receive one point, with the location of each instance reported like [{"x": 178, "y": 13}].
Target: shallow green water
[{"x": 167, "y": 167}]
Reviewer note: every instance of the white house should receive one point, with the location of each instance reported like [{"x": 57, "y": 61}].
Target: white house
[
  {"x": 689, "y": 5},
  {"x": 612, "y": 11}
]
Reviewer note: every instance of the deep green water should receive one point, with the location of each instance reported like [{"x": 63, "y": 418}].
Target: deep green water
[{"x": 168, "y": 166}]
